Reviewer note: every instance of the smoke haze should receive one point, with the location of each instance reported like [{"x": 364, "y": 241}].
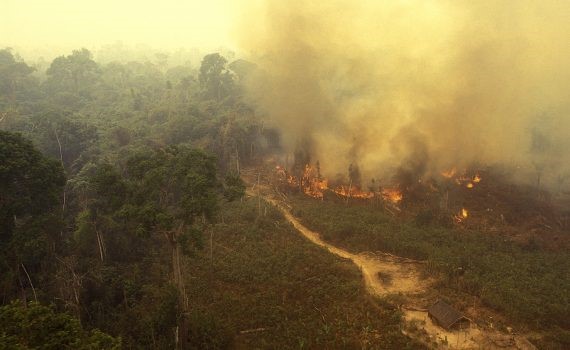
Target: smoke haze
[
  {"x": 69, "y": 24},
  {"x": 428, "y": 84},
  {"x": 388, "y": 83}
]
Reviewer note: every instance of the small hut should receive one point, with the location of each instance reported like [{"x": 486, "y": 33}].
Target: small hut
[{"x": 446, "y": 316}]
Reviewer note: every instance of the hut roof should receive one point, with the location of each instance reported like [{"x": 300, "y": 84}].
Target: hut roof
[{"x": 445, "y": 315}]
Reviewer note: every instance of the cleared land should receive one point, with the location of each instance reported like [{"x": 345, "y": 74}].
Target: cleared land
[{"x": 266, "y": 287}]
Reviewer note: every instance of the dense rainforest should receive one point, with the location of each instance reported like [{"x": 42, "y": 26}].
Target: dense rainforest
[
  {"x": 108, "y": 175},
  {"x": 124, "y": 222}
]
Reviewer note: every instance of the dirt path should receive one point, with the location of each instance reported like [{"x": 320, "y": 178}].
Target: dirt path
[
  {"x": 385, "y": 274},
  {"x": 403, "y": 277}
]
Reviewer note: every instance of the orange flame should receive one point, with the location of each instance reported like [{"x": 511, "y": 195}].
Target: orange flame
[
  {"x": 352, "y": 192},
  {"x": 449, "y": 173},
  {"x": 313, "y": 185},
  {"x": 477, "y": 178},
  {"x": 462, "y": 180},
  {"x": 462, "y": 215},
  {"x": 393, "y": 195}
]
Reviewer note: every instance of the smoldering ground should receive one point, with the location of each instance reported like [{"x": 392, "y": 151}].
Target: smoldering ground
[{"x": 381, "y": 83}]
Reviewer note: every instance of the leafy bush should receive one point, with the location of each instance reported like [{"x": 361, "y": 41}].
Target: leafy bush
[{"x": 34, "y": 326}]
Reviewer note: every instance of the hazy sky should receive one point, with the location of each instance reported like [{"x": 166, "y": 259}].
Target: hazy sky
[{"x": 160, "y": 24}]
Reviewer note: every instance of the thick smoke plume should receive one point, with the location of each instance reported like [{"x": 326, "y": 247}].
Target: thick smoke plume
[{"x": 425, "y": 84}]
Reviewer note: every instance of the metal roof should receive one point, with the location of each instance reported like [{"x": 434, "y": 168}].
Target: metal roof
[{"x": 445, "y": 315}]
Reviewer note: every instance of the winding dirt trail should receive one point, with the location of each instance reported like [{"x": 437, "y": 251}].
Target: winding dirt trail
[
  {"x": 404, "y": 277},
  {"x": 385, "y": 274}
]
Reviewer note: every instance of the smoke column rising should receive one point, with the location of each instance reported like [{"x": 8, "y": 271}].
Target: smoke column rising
[{"x": 384, "y": 83}]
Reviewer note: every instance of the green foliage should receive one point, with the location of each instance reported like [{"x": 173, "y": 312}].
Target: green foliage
[
  {"x": 73, "y": 76},
  {"x": 134, "y": 192},
  {"x": 235, "y": 187},
  {"x": 127, "y": 214},
  {"x": 34, "y": 326},
  {"x": 15, "y": 80},
  {"x": 207, "y": 332},
  {"x": 555, "y": 339},
  {"x": 267, "y": 287},
  {"x": 178, "y": 181},
  {"x": 61, "y": 136},
  {"x": 528, "y": 286},
  {"x": 191, "y": 240},
  {"x": 30, "y": 190},
  {"x": 107, "y": 188},
  {"x": 30, "y": 184},
  {"x": 215, "y": 78}
]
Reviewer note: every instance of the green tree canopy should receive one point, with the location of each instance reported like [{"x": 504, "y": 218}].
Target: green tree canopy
[
  {"x": 35, "y": 326},
  {"x": 30, "y": 184},
  {"x": 75, "y": 74},
  {"x": 12, "y": 72},
  {"x": 179, "y": 182},
  {"x": 64, "y": 137},
  {"x": 215, "y": 79}
]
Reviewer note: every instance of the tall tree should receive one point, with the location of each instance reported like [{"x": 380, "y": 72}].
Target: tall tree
[
  {"x": 76, "y": 75},
  {"x": 30, "y": 184},
  {"x": 179, "y": 186},
  {"x": 106, "y": 194},
  {"x": 215, "y": 79},
  {"x": 30, "y": 189},
  {"x": 64, "y": 137},
  {"x": 14, "y": 75}
]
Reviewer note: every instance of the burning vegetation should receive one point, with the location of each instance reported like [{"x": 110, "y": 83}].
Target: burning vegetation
[
  {"x": 314, "y": 185},
  {"x": 481, "y": 198}
]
